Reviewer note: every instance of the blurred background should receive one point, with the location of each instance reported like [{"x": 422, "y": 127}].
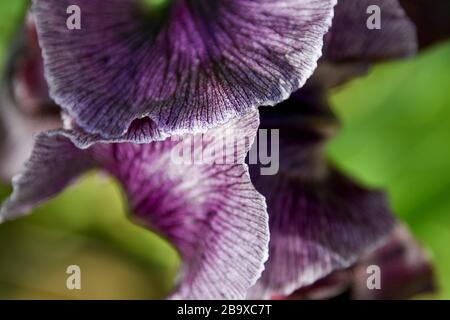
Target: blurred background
[{"x": 395, "y": 136}]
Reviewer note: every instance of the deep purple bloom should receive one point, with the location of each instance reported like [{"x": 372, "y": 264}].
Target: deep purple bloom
[
  {"x": 189, "y": 67},
  {"x": 320, "y": 220},
  {"x": 210, "y": 212},
  {"x": 406, "y": 272},
  {"x": 134, "y": 75},
  {"x": 431, "y": 19},
  {"x": 350, "y": 49}
]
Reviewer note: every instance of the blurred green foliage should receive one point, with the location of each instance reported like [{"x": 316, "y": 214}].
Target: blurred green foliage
[{"x": 395, "y": 136}]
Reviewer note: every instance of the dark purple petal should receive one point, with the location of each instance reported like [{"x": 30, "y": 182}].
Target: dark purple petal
[
  {"x": 320, "y": 220},
  {"x": 317, "y": 227},
  {"x": 431, "y": 19},
  {"x": 405, "y": 266},
  {"x": 209, "y": 210},
  {"x": 405, "y": 271},
  {"x": 351, "y": 48},
  {"x": 349, "y": 38},
  {"x": 202, "y": 63}
]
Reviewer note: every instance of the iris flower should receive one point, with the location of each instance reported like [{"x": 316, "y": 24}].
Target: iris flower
[
  {"x": 320, "y": 219},
  {"x": 431, "y": 19},
  {"x": 141, "y": 81},
  {"x": 211, "y": 213}
]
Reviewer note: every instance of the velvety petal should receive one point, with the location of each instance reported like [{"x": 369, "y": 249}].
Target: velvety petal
[
  {"x": 431, "y": 19},
  {"x": 200, "y": 64},
  {"x": 316, "y": 228},
  {"x": 206, "y": 207},
  {"x": 350, "y": 40},
  {"x": 405, "y": 267},
  {"x": 351, "y": 48},
  {"x": 54, "y": 163},
  {"x": 210, "y": 212},
  {"x": 25, "y": 106},
  {"x": 405, "y": 270},
  {"x": 320, "y": 220}
]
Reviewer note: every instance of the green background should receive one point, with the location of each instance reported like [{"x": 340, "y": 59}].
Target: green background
[{"x": 395, "y": 136}]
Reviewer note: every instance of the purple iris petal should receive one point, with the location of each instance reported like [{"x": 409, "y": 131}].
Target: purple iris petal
[
  {"x": 320, "y": 220},
  {"x": 431, "y": 19},
  {"x": 350, "y": 47},
  {"x": 405, "y": 271},
  {"x": 350, "y": 39},
  {"x": 209, "y": 210},
  {"x": 198, "y": 65}
]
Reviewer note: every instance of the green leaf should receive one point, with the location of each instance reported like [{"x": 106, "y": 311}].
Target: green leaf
[{"x": 396, "y": 134}]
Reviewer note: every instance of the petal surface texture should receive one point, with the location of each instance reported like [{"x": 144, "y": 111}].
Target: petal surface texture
[
  {"x": 194, "y": 190},
  {"x": 189, "y": 67},
  {"x": 320, "y": 220},
  {"x": 210, "y": 212},
  {"x": 405, "y": 270},
  {"x": 431, "y": 20}
]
